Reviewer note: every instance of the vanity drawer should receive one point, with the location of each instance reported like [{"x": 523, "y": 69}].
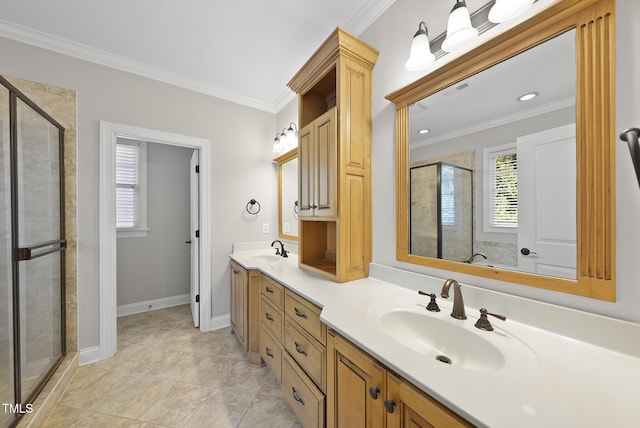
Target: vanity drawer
[
  {"x": 306, "y": 314},
  {"x": 305, "y": 399},
  {"x": 272, "y": 290},
  {"x": 271, "y": 318},
  {"x": 310, "y": 354},
  {"x": 271, "y": 352}
]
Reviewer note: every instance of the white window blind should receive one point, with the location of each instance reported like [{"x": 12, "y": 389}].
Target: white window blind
[
  {"x": 448, "y": 195},
  {"x": 127, "y": 186},
  {"x": 503, "y": 210}
]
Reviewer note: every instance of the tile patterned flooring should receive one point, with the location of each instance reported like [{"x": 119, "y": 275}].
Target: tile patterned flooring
[{"x": 167, "y": 373}]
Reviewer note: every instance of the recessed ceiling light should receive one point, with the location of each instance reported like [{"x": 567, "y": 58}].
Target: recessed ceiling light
[
  {"x": 529, "y": 96},
  {"x": 424, "y": 131}
]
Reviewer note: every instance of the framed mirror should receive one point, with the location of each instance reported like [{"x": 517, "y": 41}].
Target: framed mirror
[
  {"x": 288, "y": 195},
  {"x": 536, "y": 205}
]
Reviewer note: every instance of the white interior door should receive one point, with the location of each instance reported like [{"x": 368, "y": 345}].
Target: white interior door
[
  {"x": 547, "y": 202},
  {"x": 194, "y": 238}
]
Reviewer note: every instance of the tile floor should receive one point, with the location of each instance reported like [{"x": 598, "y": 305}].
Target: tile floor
[{"x": 168, "y": 374}]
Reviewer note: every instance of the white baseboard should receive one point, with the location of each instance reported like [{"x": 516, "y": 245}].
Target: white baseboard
[
  {"x": 89, "y": 355},
  {"x": 220, "y": 322},
  {"x": 152, "y": 305}
]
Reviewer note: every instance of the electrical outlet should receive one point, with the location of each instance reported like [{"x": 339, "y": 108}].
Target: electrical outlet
[
  {"x": 265, "y": 227},
  {"x": 286, "y": 228}
]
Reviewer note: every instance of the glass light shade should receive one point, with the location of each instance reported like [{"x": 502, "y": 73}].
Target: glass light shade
[
  {"x": 277, "y": 146},
  {"x": 459, "y": 29},
  {"x": 420, "y": 56},
  {"x": 505, "y": 10},
  {"x": 292, "y": 136}
]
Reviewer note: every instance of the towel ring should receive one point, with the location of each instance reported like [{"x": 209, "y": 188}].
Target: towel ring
[{"x": 250, "y": 207}]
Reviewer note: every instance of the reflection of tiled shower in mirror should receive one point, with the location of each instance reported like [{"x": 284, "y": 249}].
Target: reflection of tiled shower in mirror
[{"x": 441, "y": 211}]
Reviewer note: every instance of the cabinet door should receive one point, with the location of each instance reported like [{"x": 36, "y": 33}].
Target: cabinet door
[
  {"x": 238, "y": 302},
  {"x": 325, "y": 140},
  {"x": 306, "y": 171},
  {"x": 355, "y": 386},
  {"x": 408, "y": 407}
]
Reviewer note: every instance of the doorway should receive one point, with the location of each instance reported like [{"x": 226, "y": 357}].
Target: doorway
[{"x": 109, "y": 133}]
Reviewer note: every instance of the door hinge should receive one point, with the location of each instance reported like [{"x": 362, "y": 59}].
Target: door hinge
[
  {"x": 197, "y": 233},
  {"x": 197, "y": 298},
  {"x": 197, "y": 169}
]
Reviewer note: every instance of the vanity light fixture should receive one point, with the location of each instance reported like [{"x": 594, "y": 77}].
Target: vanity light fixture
[
  {"x": 459, "y": 29},
  {"x": 528, "y": 96},
  {"x": 504, "y": 10},
  {"x": 420, "y": 56},
  {"x": 286, "y": 140}
]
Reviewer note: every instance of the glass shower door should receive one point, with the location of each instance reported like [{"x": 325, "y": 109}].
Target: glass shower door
[
  {"x": 6, "y": 312},
  {"x": 38, "y": 231}
]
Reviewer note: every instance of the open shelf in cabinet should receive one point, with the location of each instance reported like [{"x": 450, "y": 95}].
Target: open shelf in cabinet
[{"x": 319, "y": 250}]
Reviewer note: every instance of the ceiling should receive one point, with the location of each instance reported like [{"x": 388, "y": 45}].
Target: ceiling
[{"x": 244, "y": 51}]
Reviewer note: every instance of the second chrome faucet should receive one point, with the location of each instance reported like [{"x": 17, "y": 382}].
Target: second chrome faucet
[{"x": 458, "y": 304}]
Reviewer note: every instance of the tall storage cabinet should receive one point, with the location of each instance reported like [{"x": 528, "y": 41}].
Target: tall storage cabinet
[{"x": 334, "y": 94}]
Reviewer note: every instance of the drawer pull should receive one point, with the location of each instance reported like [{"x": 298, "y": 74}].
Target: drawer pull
[
  {"x": 390, "y": 405},
  {"x": 268, "y": 290},
  {"x": 268, "y": 316},
  {"x": 300, "y": 350},
  {"x": 373, "y": 392},
  {"x": 268, "y": 352},
  {"x": 300, "y": 314},
  {"x": 296, "y": 396}
]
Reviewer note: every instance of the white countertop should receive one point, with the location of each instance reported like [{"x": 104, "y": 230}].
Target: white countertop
[{"x": 584, "y": 373}]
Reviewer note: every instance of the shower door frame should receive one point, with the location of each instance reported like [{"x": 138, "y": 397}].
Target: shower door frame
[{"x": 19, "y": 254}]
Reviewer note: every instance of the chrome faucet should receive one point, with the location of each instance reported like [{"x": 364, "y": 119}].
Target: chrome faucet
[
  {"x": 458, "y": 303},
  {"x": 280, "y": 251}
]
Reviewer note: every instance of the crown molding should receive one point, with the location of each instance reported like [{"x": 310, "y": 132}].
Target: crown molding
[
  {"x": 367, "y": 15},
  {"x": 67, "y": 47},
  {"x": 504, "y": 120}
]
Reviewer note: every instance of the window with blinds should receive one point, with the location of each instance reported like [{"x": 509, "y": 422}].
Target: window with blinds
[
  {"x": 501, "y": 188},
  {"x": 130, "y": 180},
  {"x": 448, "y": 195}
]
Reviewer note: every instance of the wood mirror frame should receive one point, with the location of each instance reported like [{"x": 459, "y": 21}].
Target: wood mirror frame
[
  {"x": 281, "y": 160},
  {"x": 594, "y": 21}
]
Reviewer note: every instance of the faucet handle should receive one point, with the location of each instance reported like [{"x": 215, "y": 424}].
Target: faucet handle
[
  {"x": 483, "y": 322},
  {"x": 433, "y": 305}
]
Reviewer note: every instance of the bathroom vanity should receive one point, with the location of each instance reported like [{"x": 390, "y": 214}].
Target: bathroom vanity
[{"x": 373, "y": 341}]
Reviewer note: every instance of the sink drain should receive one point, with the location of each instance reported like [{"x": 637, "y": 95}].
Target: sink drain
[{"x": 443, "y": 359}]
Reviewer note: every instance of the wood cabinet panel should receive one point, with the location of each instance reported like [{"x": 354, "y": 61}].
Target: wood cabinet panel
[
  {"x": 306, "y": 314},
  {"x": 272, "y": 290},
  {"x": 271, "y": 352},
  {"x": 272, "y": 319},
  {"x": 303, "y": 396},
  {"x": 307, "y": 352}
]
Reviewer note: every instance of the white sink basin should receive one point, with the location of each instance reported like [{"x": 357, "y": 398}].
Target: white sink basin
[
  {"x": 449, "y": 342},
  {"x": 266, "y": 258}
]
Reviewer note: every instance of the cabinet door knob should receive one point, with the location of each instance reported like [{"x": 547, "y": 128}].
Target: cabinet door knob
[
  {"x": 373, "y": 392},
  {"x": 390, "y": 405}
]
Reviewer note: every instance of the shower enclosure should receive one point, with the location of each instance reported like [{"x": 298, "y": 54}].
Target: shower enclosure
[
  {"x": 32, "y": 243},
  {"x": 441, "y": 211}
]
